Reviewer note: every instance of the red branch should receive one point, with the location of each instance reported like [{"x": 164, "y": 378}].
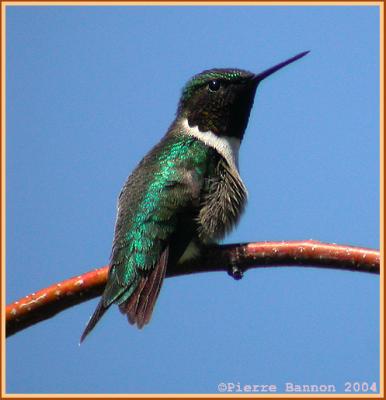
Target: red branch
[{"x": 49, "y": 301}]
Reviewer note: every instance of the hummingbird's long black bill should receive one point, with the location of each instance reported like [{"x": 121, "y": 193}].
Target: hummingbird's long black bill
[{"x": 259, "y": 77}]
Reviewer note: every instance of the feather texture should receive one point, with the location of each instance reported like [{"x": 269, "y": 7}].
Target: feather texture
[{"x": 156, "y": 219}]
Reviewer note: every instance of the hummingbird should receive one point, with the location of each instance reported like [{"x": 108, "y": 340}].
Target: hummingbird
[{"x": 185, "y": 194}]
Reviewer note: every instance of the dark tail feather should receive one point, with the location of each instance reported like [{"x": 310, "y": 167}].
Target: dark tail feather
[
  {"x": 130, "y": 306},
  {"x": 139, "y": 307},
  {"x": 98, "y": 313},
  {"x": 150, "y": 295}
]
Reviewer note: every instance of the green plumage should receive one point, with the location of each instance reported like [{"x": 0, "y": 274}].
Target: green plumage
[
  {"x": 150, "y": 204},
  {"x": 157, "y": 216}
]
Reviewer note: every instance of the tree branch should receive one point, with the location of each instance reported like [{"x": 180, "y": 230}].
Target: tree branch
[{"x": 233, "y": 258}]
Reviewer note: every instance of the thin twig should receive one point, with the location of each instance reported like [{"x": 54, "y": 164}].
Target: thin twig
[{"x": 309, "y": 253}]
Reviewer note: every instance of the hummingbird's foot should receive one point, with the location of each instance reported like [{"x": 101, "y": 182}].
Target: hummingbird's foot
[{"x": 235, "y": 272}]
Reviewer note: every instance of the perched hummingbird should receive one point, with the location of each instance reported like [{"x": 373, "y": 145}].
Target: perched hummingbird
[{"x": 184, "y": 194}]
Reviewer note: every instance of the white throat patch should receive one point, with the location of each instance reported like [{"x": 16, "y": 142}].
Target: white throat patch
[{"x": 226, "y": 146}]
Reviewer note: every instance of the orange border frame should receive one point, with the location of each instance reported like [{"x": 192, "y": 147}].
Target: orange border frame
[{"x": 5, "y": 4}]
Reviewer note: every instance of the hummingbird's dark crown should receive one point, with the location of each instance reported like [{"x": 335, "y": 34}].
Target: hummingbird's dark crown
[
  {"x": 219, "y": 100},
  {"x": 223, "y": 74}
]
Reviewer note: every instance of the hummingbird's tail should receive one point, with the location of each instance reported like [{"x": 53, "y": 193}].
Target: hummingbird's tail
[
  {"x": 139, "y": 306},
  {"x": 98, "y": 313}
]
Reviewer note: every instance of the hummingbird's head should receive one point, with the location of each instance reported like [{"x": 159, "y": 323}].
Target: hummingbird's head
[{"x": 220, "y": 100}]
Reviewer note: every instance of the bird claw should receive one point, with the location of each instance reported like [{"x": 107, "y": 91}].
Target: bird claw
[{"x": 235, "y": 272}]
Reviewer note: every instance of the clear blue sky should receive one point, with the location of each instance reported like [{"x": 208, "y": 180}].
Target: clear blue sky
[{"x": 90, "y": 90}]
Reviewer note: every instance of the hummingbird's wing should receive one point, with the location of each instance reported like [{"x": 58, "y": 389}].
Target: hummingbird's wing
[{"x": 155, "y": 223}]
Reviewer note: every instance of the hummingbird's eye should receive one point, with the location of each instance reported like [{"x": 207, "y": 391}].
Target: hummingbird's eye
[{"x": 214, "y": 85}]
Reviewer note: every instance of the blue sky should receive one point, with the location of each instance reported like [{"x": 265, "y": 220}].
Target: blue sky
[{"x": 90, "y": 90}]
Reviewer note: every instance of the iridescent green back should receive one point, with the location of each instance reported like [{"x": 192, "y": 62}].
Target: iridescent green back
[{"x": 162, "y": 189}]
